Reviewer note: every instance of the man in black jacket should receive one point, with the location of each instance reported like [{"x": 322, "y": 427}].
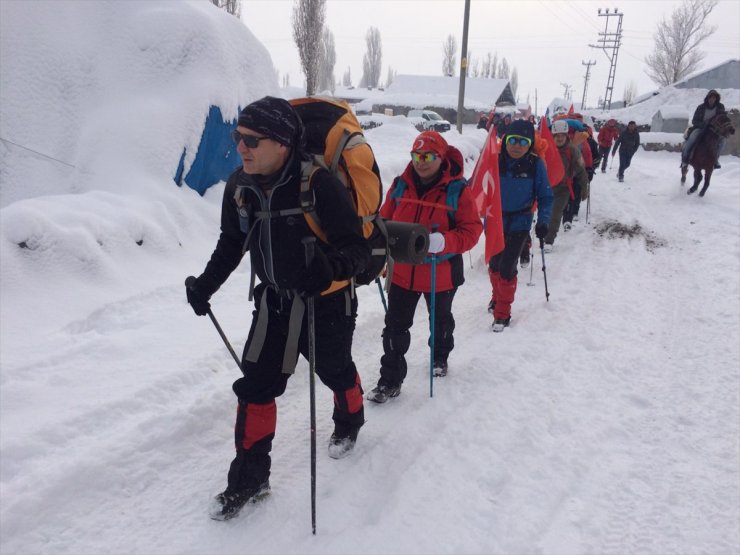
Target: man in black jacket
[
  {"x": 627, "y": 143},
  {"x": 258, "y": 213},
  {"x": 703, "y": 113}
]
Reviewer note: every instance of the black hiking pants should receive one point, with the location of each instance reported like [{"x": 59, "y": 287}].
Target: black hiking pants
[{"x": 397, "y": 337}]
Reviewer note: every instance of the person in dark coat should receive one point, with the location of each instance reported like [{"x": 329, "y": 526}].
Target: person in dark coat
[
  {"x": 703, "y": 113},
  {"x": 524, "y": 181},
  {"x": 430, "y": 185},
  {"x": 269, "y": 138},
  {"x": 627, "y": 143}
]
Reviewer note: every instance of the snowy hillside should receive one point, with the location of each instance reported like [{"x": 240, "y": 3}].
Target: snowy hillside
[{"x": 603, "y": 421}]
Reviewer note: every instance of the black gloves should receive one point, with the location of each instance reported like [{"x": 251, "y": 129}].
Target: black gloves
[
  {"x": 198, "y": 295},
  {"x": 318, "y": 275},
  {"x": 540, "y": 230}
]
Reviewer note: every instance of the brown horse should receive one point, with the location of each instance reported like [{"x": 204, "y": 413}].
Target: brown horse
[{"x": 706, "y": 152}]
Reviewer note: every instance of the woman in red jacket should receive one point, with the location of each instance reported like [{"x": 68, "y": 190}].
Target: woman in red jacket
[
  {"x": 607, "y": 135},
  {"x": 433, "y": 192}
]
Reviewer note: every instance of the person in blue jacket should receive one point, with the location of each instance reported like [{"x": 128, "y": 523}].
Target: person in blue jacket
[{"x": 523, "y": 181}]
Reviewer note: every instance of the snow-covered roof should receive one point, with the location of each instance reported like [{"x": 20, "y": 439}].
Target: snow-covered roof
[
  {"x": 478, "y": 90},
  {"x": 670, "y": 111},
  {"x": 724, "y": 75}
]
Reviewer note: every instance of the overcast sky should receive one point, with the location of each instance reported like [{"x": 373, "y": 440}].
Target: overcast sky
[{"x": 546, "y": 40}]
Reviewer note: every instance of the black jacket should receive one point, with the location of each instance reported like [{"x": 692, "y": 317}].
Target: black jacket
[
  {"x": 628, "y": 142},
  {"x": 276, "y": 251},
  {"x": 698, "y": 119}
]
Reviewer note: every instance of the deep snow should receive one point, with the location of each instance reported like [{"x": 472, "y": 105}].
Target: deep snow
[{"x": 604, "y": 421}]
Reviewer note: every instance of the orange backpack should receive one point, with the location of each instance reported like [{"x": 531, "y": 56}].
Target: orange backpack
[{"x": 335, "y": 141}]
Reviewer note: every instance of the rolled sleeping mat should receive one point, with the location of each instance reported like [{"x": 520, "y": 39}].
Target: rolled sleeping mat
[{"x": 408, "y": 243}]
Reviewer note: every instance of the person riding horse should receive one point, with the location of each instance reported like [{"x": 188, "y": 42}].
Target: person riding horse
[{"x": 703, "y": 113}]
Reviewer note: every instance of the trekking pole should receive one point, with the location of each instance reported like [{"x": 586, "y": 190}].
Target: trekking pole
[
  {"x": 588, "y": 204},
  {"x": 432, "y": 310},
  {"x": 309, "y": 245},
  {"x": 189, "y": 282},
  {"x": 382, "y": 295},
  {"x": 544, "y": 269}
]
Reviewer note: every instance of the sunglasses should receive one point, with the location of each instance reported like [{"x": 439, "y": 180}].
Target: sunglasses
[
  {"x": 518, "y": 140},
  {"x": 250, "y": 141},
  {"x": 423, "y": 156}
]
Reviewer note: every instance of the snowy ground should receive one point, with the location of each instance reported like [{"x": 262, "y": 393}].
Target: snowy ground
[{"x": 604, "y": 421}]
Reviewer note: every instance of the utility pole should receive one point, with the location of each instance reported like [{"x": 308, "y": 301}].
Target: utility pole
[
  {"x": 463, "y": 68},
  {"x": 567, "y": 90},
  {"x": 535, "y": 102},
  {"x": 610, "y": 41},
  {"x": 585, "y": 81}
]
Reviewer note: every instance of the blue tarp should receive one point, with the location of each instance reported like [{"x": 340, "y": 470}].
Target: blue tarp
[{"x": 216, "y": 158}]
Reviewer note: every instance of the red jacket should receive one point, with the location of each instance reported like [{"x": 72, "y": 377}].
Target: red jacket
[
  {"x": 607, "y": 135},
  {"x": 431, "y": 209}
]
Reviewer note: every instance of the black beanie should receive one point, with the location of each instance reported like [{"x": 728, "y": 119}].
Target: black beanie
[
  {"x": 521, "y": 127},
  {"x": 274, "y": 118}
]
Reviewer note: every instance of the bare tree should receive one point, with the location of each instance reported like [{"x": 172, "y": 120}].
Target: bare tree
[
  {"x": 308, "y": 22},
  {"x": 487, "y": 66},
  {"x": 449, "y": 51},
  {"x": 389, "y": 78},
  {"x": 372, "y": 61},
  {"x": 514, "y": 81},
  {"x": 504, "y": 70},
  {"x": 676, "y": 52},
  {"x": 234, "y": 7},
  {"x": 327, "y": 59},
  {"x": 494, "y": 67},
  {"x": 347, "y": 78},
  {"x": 630, "y": 93}
]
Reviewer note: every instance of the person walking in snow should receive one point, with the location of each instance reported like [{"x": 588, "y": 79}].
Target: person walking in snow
[
  {"x": 523, "y": 181},
  {"x": 426, "y": 193},
  {"x": 563, "y": 191},
  {"x": 606, "y": 137},
  {"x": 627, "y": 143},
  {"x": 503, "y": 125},
  {"x": 269, "y": 139},
  {"x": 703, "y": 113}
]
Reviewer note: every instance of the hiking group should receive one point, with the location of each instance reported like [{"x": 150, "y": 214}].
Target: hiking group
[{"x": 301, "y": 220}]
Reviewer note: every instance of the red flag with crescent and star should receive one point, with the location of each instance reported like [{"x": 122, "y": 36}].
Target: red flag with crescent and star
[
  {"x": 484, "y": 184},
  {"x": 553, "y": 161}
]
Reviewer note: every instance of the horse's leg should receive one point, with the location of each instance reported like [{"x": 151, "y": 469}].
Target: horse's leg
[
  {"x": 697, "y": 180},
  {"x": 707, "y": 177}
]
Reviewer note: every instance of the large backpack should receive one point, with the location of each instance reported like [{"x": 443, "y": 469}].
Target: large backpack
[{"x": 334, "y": 139}]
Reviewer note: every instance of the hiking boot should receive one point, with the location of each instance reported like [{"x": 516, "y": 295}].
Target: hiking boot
[
  {"x": 621, "y": 178},
  {"x": 499, "y": 324},
  {"x": 548, "y": 247},
  {"x": 567, "y": 226},
  {"x": 384, "y": 392},
  {"x": 603, "y": 170},
  {"x": 341, "y": 444},
  {"x": 228, "y": 503},
  {"x": 717, "y": 165},
  {"x": 440, "y": 368},
  {"x": 575, "y": 217},
  {"x": 491, "y": 306}
]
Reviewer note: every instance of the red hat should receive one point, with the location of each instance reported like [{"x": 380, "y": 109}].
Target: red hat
[{"x": 430, "y": 141}]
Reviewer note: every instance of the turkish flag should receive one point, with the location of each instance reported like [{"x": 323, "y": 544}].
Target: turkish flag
[
  {"x": 484, "y": 184},
  {"x": 571, "y": 110},
  {"x": 553, "y": 161}
]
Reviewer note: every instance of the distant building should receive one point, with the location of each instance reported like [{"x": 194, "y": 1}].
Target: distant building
[
  {"x": 437, "y": 93},
  {"x": 723, "y": 76},
  {"x": 670, "y": 119}
]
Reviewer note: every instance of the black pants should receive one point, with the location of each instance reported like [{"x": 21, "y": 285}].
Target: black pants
[
  {"x": 604, "y": 152},
  {"x": 574, "y": 204},
  {"x": 624, "y": 162},
  {"x": 397, "y": 337},
  {"x": 507, "y": 260},
  {"x": 334, "y": 324}
]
